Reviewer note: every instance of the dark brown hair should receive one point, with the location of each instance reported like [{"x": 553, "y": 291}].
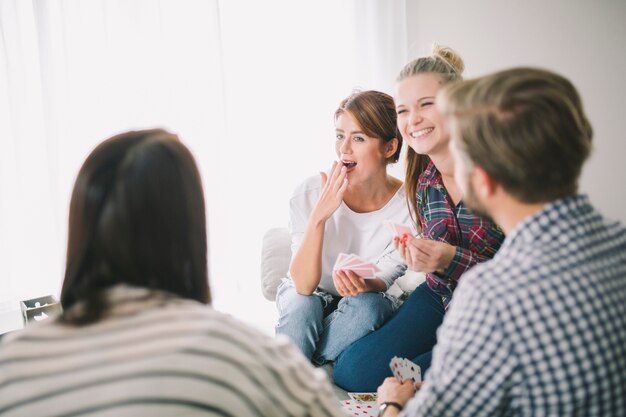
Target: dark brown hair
[
  {"x": 446, "y": 63},
  {"x": 375, "y": 113},
  {"x": 525, "y": 127},
  {"x": 137, "y": 216}
]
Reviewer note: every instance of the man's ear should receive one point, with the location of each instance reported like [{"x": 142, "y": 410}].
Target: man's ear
[
  {"x": 483, "y": 184},
  {"x": 390, "y": 148}
]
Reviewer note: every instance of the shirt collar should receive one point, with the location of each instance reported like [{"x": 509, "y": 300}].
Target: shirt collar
[
  {"x": 534, "y": 227},
  {"x": 127, "y": 300},
  {"x": 430, "y": 176}
]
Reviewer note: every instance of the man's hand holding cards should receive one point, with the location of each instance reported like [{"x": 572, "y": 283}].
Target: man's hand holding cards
[
  {"x": 352, "y": 262},
  {"x": 403, "y": 369}
]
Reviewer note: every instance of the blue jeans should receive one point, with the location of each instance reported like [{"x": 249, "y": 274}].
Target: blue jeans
[
  {"x": 322, "y": 325},
  {"x": 411, "y": 333}
]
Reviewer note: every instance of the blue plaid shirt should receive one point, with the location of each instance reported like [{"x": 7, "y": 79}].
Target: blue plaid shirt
[{"x": 539, "y": 330}]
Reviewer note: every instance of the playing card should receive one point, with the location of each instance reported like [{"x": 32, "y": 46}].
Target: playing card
[
  {"x": 341, "y": 258},
  {"x": 404, "y": 369},
  {"x": 365, "y": 273},
  {"x": 390, "y": 227},
  {"x": 397, "y": 229},
  {"x": 363, "y": 396},
  {"x": 352, "y": 262},
  {"x": 360, "y": 408}
]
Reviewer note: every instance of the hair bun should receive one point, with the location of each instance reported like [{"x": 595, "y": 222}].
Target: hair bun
[{"x": 450, "y": 56}]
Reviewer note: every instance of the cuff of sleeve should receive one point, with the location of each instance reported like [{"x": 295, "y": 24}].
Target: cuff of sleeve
[
  {"x": 460, "y": 262},
  {"x": 390, "y": 278}
]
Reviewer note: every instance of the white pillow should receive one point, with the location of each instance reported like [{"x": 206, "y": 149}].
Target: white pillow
[{"x": 275, "y": 258}]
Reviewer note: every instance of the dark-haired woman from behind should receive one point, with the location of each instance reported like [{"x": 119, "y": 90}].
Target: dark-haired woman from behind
[{"x": 136, "y": 336}]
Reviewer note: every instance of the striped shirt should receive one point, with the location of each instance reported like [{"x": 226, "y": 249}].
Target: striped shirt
[
  {"x": 157, "y": 355},
  {"x": 540, "y": 330},
  {"x": 476, "y": 239}
]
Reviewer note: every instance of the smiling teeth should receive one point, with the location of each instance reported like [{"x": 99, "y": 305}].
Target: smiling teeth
[{"x": 421, "y": 132}]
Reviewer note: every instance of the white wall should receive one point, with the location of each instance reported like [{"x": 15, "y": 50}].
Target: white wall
[{"x": 582, "y": 40}]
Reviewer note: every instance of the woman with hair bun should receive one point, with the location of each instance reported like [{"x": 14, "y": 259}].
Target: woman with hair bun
[{"x": 452, "y": 239}]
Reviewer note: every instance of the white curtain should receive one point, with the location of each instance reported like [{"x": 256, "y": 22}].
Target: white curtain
[{"x": 249, "y": 86}]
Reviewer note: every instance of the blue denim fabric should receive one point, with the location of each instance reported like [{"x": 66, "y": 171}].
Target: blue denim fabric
[
  {"x": 322, "y": 325},
  {"x": 410, "y": 333}
]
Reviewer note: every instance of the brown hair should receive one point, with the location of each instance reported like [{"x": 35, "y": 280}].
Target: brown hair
[
  {"x": 445, "y": 62},
  {"x": 137, "y": 216},
  {"x": 525, "y": 127},
  {"x": 375, "y": 113}
]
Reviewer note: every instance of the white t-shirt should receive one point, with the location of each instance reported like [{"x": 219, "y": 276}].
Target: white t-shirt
[{"x": 363, "y": 234}]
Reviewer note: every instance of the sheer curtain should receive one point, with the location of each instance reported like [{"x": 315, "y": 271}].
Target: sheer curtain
[{"x": 249, "y": 86}]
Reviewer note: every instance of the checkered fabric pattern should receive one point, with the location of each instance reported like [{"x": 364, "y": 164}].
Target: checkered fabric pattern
[
  {"x": 476, "y": 239},
  {"x": 540, "y": 330}
]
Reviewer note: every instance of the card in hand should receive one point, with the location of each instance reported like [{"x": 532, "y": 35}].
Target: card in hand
[
  {"x": 352, "y": 262},
  {"x": 404, "y": 369},
  {"x": 360, "y": 408},
  {"x": 397, "y": 229}
]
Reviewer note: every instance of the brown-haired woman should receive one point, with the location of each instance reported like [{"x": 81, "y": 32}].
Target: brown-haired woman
[
  {"x": 321, "y": 309},
  {"x": 136, "y": 336},
  {"x": 453, "y": 240}
]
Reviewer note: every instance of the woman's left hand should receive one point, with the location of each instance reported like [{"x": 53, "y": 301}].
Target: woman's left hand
[
  {"x": 423, "y": 255},
  {"x": 348, "y": 283}
]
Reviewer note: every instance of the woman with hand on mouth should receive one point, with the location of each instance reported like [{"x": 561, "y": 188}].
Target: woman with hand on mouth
[
  {"x": 321, "y": 310},
  {"x": 453, "y": 240}
]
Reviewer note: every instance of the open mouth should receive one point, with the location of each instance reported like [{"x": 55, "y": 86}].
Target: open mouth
[
  {"x": 349, "y": 165},
  {"x": 422, "y": 132}
]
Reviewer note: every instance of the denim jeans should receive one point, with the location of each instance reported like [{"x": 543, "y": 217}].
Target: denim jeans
[
  {"x": 410, "y": 333},
  {"x": 322, "y": 325}
]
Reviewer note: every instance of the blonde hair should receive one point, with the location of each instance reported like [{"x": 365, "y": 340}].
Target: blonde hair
[
  {"x": 525, "y": 127},
  {"x": 447, "y": 63}
]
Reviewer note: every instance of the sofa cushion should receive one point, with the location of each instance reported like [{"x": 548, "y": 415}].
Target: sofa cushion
[{"x": 275, "y": 258}]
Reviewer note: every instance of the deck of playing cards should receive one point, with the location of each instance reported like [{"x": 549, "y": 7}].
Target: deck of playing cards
[
  {"x": 360, "y": 408},
  {"x": 397, "y": 229},
  {"x": 352, "y": 262},
  {"x": 404, "y": 369}
]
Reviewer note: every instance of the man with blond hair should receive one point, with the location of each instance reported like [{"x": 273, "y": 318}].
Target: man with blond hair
[{"x": 540, "y": 330}]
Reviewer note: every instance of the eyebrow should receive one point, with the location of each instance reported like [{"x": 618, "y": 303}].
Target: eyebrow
[
  {"x": 418, "y": 100},
  {"x": 354, "y": 132}
]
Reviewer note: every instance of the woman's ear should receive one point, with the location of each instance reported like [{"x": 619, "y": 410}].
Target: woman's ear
[{"x": 390, "y": 147}]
